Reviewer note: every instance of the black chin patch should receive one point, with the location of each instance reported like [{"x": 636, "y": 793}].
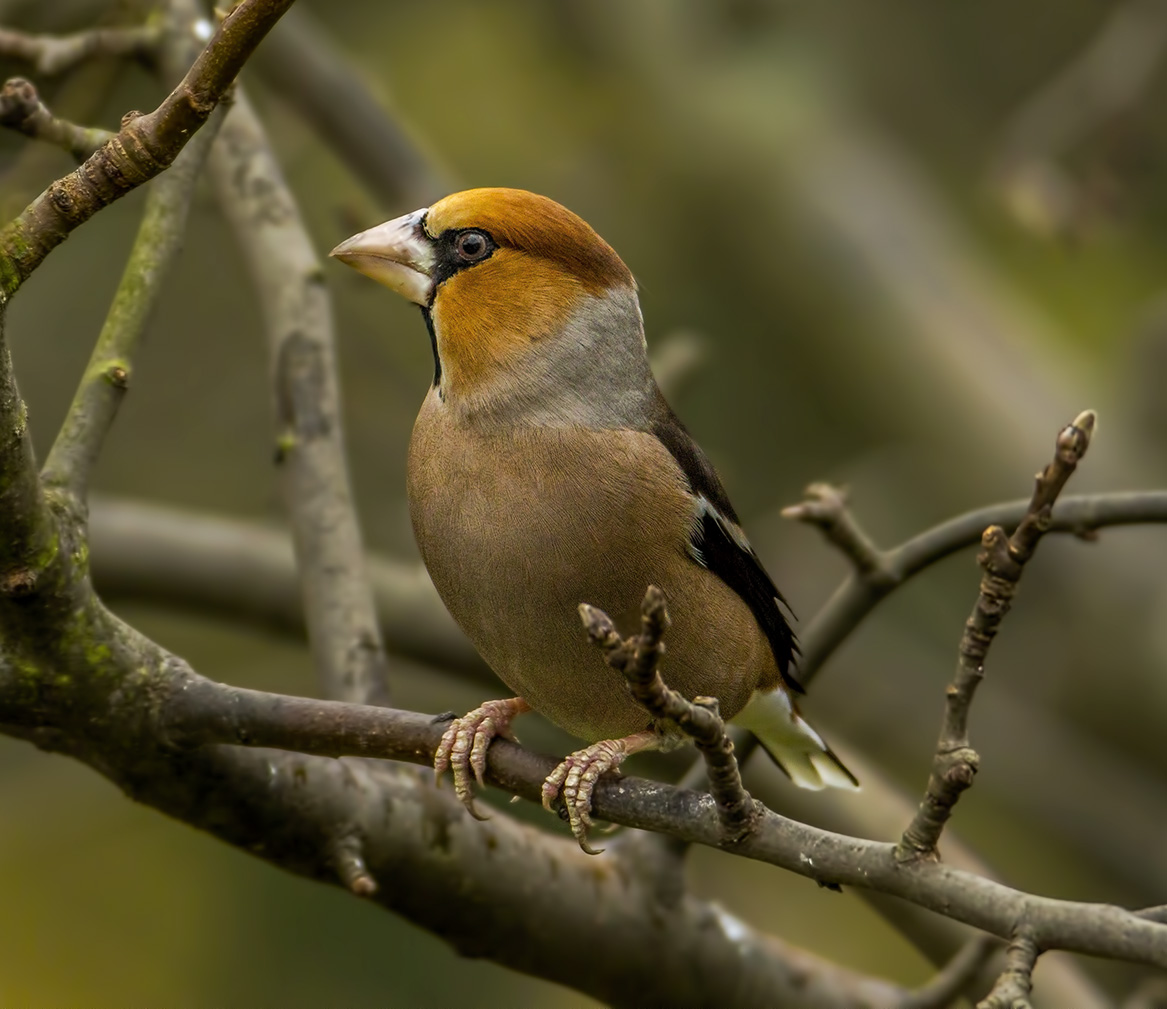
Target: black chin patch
[{"x": 428, "y": 315}]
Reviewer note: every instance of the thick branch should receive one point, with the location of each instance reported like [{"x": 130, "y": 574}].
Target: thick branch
[
  {"x": 196, "y": 711},
  {"x": 143, "y": 147},
  {"x": 500, "y": 889},
  {"x": 342, "y": 622},
  {"x": 1003, "y": 559},
  {"x": 28, "y": 543},
  {"x": 54, "y": 54},
  {"x": 21, "y": 109},
  {"x": 235, "y": 570}
]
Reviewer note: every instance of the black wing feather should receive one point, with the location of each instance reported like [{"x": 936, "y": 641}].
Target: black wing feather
[{"x": 719, "y": 544}]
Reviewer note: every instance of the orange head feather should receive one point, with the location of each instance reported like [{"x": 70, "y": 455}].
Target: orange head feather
[
  {"x": 546, "y": 261},
  {"x": 536, "y": 226},
  {"x": 498, "y": 270}
]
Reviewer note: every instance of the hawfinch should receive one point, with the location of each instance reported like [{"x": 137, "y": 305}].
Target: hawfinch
[{"x": 546, "y": 470}]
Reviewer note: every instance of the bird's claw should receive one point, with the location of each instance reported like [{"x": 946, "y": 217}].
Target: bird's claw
[
  {"x": 574, "y": 781},
  {"x": 465, "y": 742}
]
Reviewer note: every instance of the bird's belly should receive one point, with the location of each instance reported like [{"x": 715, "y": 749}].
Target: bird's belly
[{"x": 516, "y": 536}]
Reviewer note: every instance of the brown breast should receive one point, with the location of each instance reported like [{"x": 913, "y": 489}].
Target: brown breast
[{"x": 518, "y": 526}]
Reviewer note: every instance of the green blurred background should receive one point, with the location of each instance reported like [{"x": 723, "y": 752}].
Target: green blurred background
[{"x": 908, "y": 255}]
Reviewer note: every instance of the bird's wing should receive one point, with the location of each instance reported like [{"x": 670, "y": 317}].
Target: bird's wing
[{"x": 719, "y": 544}]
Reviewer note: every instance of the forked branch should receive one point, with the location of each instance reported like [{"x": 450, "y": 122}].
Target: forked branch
[
  {"x": 141, "y": 149},
  {"x": 638, "y": 658},
  {"x": 1002, "y": 559}
]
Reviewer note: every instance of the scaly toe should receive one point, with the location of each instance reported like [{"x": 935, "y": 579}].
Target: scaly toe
[
  {"x": 575, "y": 780},
  {"x": 552, "y": 784},
  {"x": 463, "y": 746}
]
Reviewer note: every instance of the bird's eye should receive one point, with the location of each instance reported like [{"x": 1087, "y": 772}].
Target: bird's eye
[{"x": 471, "y": 246}]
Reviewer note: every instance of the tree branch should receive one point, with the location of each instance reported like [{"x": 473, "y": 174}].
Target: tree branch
[
  {"x": 880, "y": 810},
  {"x": 954, "y": 977},
  {"x": 78, "y": 98},
  {"x": 234, "y": 570},
  {"x": 21, "y": 109},
  {"x": 825, "y": 506},
  {"x": 858, "y": 595},
  {"x": 54, "y": 54},
  {"x": 1016, "y": 981},
  {"x": 638, "y": 658},
  {"x": 237, "y": 569},
  {"x": 342, "y": 622},
  {"x": 107, "y": 377},
  {"x": 29, "y": 543},
  {"x": 198, "y": 712},
  {"x": 500, "y": 889},
  {"x": 142, "y": 148},
  {"x": 1003, "y": 559},
  {"x": 303, "y": 65}
]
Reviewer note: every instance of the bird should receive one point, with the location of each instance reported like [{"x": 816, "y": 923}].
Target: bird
[{"x": 546, "y": 470}]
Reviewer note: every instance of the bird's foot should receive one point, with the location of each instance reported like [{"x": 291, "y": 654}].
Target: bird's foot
[
  {"x": 466, "y": 740},
  {"x": 575, "y": 779}
]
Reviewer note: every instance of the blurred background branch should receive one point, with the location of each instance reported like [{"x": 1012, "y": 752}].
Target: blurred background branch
[{"x": 1113, "y": 72}]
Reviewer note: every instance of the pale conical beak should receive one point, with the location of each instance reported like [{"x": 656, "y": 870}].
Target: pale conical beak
[{"x": 398, "y": 254}]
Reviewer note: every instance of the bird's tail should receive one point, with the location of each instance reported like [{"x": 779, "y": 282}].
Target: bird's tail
[{"x": 796, "y": 748}]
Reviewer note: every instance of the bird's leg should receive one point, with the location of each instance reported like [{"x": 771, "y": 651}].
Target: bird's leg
[
  {"x": 576, "y": 778},
  {"x": 464, "y": 745}
]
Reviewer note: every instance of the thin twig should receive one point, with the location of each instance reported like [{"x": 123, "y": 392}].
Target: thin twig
[
  {"x": 107, "y": 377},
  {"x": 880, "y": 810},
  {"x": 143, "y": 147},
  {"x": 54, "y": 54},
  {"x": 21, "y": 109},
  {"x": 950, "y": 982},
  {"x": 1080, "y": 515},
  {"x": 1016, "y": 981},
  {"x": 638, "y": 658},
  {"x": 1003, "y": 558},
  {"x": 825, "y": 506},
  {"x": 351, "y": 867},
  {"x": 79, "y": 97},
  {"x": 342, "y": 621}
]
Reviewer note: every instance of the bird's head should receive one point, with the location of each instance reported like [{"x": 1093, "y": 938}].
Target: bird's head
[{"x": 509, "y": 281}]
